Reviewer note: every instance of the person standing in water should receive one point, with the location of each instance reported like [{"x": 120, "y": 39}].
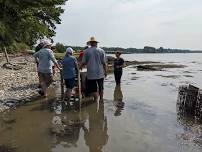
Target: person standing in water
[
  {"x": 95, "y": 60},
  {"x": 70, "y": 68},
  {"x": 45, "y": 59},
  {"x": 118, "y": 67}
]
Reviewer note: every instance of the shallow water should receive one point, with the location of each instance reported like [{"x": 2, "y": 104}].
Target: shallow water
[{"x": 139, "y": 116}]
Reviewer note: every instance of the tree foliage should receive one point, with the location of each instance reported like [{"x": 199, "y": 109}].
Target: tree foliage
[
  {"x": 26, "y": 21},
  {"x": 60, "y": 48}
]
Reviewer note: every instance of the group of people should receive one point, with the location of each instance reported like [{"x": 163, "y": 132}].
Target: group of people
[{"x": 93, "y": 57}]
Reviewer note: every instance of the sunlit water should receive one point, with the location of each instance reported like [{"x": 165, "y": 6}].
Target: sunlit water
[{"x": 146, "y": 121}]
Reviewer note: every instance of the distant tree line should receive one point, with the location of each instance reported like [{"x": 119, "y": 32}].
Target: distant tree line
[
  {"x": 148, "y": 49},
  {"x": 59, "y": 47}
]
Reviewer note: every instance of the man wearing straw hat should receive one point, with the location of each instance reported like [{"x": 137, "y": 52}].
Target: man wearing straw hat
[
  {"x": 95, "y": 60},
  {"x": 45, "y": 59}
]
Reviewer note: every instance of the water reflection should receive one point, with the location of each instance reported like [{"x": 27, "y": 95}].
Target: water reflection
[
  {"x": 66, "y": 129},
  {"x": 187, "y": 115},
  {"x": 66, "y": 126},
  {"x": 118, "y": 99},
  {"x": 96, "y": 134}
]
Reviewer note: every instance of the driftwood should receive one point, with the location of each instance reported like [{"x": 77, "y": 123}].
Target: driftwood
[
  {"x": 11, "y": 66},
  {"x": 62, "y": 85},
  {"x": 6, "y": 55},
  {"x": 189, "y": 101}
]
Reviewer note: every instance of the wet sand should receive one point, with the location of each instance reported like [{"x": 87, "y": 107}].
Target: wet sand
[{"x": 138, "y": 116}]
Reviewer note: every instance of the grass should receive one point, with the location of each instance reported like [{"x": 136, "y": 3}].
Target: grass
[{"x": 60, "y": 56}]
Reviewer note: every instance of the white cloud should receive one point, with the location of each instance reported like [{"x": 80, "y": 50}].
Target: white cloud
[{"x": 133, "y": 23}]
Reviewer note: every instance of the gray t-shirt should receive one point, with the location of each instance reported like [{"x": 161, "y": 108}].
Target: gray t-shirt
[
  {"x": 46, "y": 59},
  {"x": 94, "y": 58}
]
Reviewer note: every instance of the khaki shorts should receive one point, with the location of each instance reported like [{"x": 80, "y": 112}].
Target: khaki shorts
[{"x": 46, "y": 77}]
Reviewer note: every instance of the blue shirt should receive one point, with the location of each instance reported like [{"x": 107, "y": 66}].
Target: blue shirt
[
  {"x": 69, "y": 67},
  {"x": 94, "y": 58}
]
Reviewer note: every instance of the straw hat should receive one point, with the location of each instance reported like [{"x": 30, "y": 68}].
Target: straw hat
[{"x": 92, "y": 39}]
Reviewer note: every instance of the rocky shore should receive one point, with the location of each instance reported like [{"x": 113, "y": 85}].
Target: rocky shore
[{"x": 18, "y": 86}]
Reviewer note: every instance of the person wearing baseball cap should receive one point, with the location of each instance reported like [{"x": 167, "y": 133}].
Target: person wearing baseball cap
[
  {"x": 70, "y": 68},
  {"x": 45, "y": 59}
]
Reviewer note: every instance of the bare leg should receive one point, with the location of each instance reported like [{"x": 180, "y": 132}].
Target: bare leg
[
  {"x": 95, "y": 96},
  {"x": 101, "y": 95},
  {"x": 68, "y": 94},
  {"x": 44, "y": 88}
]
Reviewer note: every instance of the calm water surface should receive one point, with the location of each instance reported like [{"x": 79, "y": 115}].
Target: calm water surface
[{"x": 146, "y": 120}]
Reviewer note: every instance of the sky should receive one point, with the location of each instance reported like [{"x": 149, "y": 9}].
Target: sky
[{"x": 132, "y": 23}]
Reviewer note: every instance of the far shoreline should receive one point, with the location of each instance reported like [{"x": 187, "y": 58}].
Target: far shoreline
[{"x": 156, "y": 53}]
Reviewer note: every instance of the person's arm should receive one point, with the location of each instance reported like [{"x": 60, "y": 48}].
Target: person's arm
[
  {"x": 104, "y": 62},
  {"x": 52, "y": 57},
  {"x": 36, "y": 57},
  {"x": 76, "y": 65},
  {"x": 84, "y": 61},
  {"x": 122, "y": 63},
  {"x": 105, "y": 69}
]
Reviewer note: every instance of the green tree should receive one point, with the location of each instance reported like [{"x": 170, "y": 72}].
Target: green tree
[
  {"x": 60, "y": 48},
  {"x": 26, "y": 21}
]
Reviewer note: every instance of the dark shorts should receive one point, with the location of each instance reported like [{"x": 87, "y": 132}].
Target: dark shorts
[
  {"x": 95, "y": 85},
  {"x": 69, "y": 83},
  {"x": 46, "y": 77}
]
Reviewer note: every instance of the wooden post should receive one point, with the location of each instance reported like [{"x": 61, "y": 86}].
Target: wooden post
[
  {"x": 62, "y": 85},
  {"x": 79, "y": 87},
  {"x": 6, "y": 55}
]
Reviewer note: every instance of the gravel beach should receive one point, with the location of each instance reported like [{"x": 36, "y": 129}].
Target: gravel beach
[{"x": 18, "y": 85}]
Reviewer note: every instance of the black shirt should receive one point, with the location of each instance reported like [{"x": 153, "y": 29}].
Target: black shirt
[{"x": 118, "y": 62}]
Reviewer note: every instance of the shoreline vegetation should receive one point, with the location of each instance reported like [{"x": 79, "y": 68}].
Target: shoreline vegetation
[
  {"x": 60, "y": 48},
  {"x": 20, "y": 86}
]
